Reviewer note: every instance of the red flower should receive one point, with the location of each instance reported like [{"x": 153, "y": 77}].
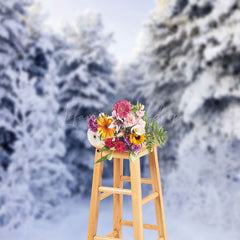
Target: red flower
[
  {"x": 120, "y": 147},
  {"x": 109, "y": 143}
]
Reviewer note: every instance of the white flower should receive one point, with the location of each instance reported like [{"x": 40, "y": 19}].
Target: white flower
[
  {"x": 117, "y": 121},
  {"x": 114, "y": 114},
  {"x": 138, "y": 129},
  {"x": 101, "y": 114},
  {"x": 141, "y": 106},
  {"x": 121, "y": 134},
  {"x": 94, "y": 138}
]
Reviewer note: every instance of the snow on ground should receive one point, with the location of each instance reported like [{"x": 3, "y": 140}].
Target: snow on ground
[{"x": 75, "y": 223}]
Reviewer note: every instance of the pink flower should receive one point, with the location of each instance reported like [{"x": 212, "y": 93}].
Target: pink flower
[
  {"x": 122, "y": 108},
  {"x": 141, "y": 122},
  {"x": 140, "y": 113},
  {"x": 136, "y": 148},
  {"x": 92, "y": 123},
  {"x": 130, "y": 120}
]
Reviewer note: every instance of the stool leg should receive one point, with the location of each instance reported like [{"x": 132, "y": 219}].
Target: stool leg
[
  {"x": 95, "y": 197},
  {"x": 136, "y": 199},
  {"x": 117, "y": 198},
  {"x": 156, "y": 185}
]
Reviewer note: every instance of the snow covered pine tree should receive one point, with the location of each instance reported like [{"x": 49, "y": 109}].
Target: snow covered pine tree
[
  {"x": 12, "y": 50},
  {"x": 87, "y": 86},
  {"x": 41, "y": 48},
  {"x": 37, "y": 179},
  {"x": 33, "y": 177},
  {"x": 193, "y": 69}
]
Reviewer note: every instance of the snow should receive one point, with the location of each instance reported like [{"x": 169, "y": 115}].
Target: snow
[
  {"x": 206, "y": 83},
  {"x": 190, "y": 66},
  {"x": 73, "y": 224}
]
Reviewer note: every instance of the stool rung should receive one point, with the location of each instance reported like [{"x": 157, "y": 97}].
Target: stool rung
[
  {"x": 143, "y": 180},
  {"x": 146, "y": 226},
  {"x": 115, "y": 190},
  {"x": 150, "y": 197},
  {"x": 161, "y": 238},
  {"x": 112, "y": 234},
  {"x": 105, "y": 195},
  {"x": 106, "y": 238}
]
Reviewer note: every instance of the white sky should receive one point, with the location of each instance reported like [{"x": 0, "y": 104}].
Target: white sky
[{"x": 122, "y": 17}]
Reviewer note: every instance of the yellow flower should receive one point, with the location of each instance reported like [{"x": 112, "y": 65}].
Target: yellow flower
[
  {"x": 137, "y": 139},
  {"x": 104, "y": 130}
]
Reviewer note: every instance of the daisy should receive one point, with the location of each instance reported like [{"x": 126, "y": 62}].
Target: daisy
[
  {"x": 94, "y": 138},
  {"x": 104, "y": 127}
]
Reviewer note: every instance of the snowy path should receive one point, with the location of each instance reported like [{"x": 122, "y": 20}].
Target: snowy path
[{"x": 74, "y": 225}]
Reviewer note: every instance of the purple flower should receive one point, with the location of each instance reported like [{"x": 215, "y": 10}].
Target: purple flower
[
  {"x": 127, "y": 140},
  {"x": 126, "y": 148},
  {"x": 136, "y": 148},
  {"x": 92, "y": 123}
]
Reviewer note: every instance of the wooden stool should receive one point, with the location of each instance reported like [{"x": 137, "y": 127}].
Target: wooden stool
[{"x": 100, "y": 192}]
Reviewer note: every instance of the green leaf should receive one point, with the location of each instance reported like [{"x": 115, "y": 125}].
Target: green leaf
[
  {"x": 160, "y": 137},
  {"x": 104, "y": 148},
  {"x": 158, "y": 140},
  {"x": 134, "y": 109},
  {"x": 109, "y": 156},
  {"x": 106, "y": 157},
  {"x": 132, "y": 156},
  {"x": 155, "y": 128},
  {"x": 145, "y": 118},
  {"x": 152, "y": 123}
]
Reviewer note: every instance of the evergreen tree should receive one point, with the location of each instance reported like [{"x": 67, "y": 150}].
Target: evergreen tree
[
  {"x": 192, "y": 70},
  {"x": 36, "y": 176},
  {"x": 129, "y": 75},
  {"x": 86, "y": 70},
  {"x": 13, "y": 31},
  {"x": 41, "y": 49},
  {"x": 13, "y": 41}
]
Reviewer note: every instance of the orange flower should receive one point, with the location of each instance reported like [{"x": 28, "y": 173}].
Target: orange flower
[{"x": 104, "y": 123}]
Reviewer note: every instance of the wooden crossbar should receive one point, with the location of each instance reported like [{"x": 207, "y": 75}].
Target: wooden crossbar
[
  {"x": 143, "y": 180},
  {"x": 161, "y": 238},
  {"x": 115, "y": 190},
  {"x": 104, "y": 195},
  {"x": 150, "y": 197},
  {"x": 146, "y": 226},
  {"x": 112, "y": 234}
]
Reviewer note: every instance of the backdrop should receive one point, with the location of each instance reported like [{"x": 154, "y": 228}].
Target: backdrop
[{"x": 183, "y": 63}]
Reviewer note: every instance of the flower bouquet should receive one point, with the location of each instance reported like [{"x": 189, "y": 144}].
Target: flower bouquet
[{"x": 126, "y": 130}]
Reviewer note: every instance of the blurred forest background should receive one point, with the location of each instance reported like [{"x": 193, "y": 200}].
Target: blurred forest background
[{"x": 187, "y": 73}]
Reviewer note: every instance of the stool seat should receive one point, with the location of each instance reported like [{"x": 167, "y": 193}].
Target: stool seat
[
  {"x": 100, "y": 192},
  {"x": 124, "y": 155}
]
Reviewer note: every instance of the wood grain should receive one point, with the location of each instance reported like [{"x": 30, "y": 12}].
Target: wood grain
[
  {"x": 158, "y": 201},
  {"x": 95, "y": 197},
  {"x": 117, "y": 198},
  {"x": 136, "y": 199}
]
